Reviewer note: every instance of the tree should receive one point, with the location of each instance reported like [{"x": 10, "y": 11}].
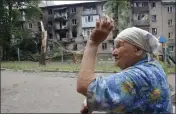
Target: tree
[
  {"x": 12, "y": 31},
  {"x": 120, "y": 11}
]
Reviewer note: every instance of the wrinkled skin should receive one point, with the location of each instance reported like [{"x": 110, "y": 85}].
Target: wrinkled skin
[{"x": 126, "y": 54}]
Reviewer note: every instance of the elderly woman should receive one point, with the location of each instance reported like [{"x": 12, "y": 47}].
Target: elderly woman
[{"x": 141, "y": 86}]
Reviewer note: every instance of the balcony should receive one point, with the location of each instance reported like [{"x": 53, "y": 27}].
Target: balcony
[
  {"x": 89, "y": 21},
  {"x": 62, "y": 16},
  {"x": 140, "y": 9},
  {"x": 67, "y": 40},
  {"x": 60, "y": 27},
  {"x": 89, "y": 12},
  {"x": 141, "y": 23},
  {"x": 79, "y": 39},
  {"x": 85, "y": 38}
]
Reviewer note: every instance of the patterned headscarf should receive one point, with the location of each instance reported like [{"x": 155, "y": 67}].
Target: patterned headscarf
[{"x": 140, "y": 38}]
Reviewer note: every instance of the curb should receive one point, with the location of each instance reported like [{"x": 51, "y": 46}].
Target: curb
[{"x": 35, "y": 71}]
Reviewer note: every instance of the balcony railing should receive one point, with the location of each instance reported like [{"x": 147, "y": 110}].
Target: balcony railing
[
  {"x": 141, "y": 22},
  {"x": 61, "y": 27},
  {"x": 140, "y": 9},
  {"x": 63, "y": 16},
  {"x": 67, "y": 40},
  {"x": 89, "y": 12},
  {"x": 86, "y": 38}
]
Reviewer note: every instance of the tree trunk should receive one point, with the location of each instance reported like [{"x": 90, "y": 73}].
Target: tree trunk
[
  {"x": 42, "y": 57},
  {"x": 43, "y": 48}
]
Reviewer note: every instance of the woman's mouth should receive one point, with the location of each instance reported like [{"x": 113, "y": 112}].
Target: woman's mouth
[{"x": 116, "y": 59}]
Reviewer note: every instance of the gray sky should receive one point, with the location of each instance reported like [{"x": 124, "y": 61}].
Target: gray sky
[
  {"x": 69, "y": 2},
  {"x": 49, "y": 3}
]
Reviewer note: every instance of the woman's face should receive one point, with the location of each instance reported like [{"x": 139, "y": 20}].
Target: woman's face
[{"x": 125, "y": 54}]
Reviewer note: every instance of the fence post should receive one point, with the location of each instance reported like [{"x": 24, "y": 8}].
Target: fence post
[{"x": 18, "y": 54}]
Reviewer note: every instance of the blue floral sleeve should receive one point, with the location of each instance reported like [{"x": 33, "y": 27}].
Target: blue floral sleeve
[
  {"x": 113, "y": 93},
  {"x": 141, "y": 89}
]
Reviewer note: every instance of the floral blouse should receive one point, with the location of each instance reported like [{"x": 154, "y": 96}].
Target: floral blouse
[{"x": 142, "y": 88}]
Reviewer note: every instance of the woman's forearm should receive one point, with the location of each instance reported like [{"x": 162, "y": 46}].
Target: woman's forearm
[{"x": 86, "y": 74}]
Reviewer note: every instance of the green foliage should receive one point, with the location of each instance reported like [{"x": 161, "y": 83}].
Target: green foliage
[
  {"x": 120, "y": 11},
  {"x": 167, "y": 68},
  {"x": 11, "y": 31}
]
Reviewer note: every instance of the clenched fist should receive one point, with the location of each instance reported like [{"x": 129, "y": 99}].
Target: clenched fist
[{"x": 101, "y": 31}]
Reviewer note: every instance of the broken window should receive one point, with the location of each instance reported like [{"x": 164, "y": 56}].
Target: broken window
[
  {"x": 90, "y": 7},
  {"x": 64, "y": 23},
  {"x": 50, "y": 23},
  {"x": 62, "y": 35},
  {"x": 74, "y": 34},
  {"x": 75, "y": 47}
]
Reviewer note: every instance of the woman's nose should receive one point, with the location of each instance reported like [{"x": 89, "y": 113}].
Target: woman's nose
[{"x": 114, "y": 52}]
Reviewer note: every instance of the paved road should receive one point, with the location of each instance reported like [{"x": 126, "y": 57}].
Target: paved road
[{"x": 41, "y": 92}]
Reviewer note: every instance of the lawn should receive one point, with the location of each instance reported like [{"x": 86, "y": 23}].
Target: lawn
[
  {"x": 104, "y": 66},
  {"x": 56, "y": 66}
]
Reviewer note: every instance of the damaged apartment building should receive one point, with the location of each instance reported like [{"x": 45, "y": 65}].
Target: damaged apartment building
[{"x": 72, "y": 24}]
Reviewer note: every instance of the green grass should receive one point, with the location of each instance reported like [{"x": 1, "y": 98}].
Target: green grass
[
  {"x": 55, "y": 66},
  {"x": 58, "y": 66}
]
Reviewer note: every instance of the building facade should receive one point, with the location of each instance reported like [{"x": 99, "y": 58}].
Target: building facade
[
  {"x": 157, "y": 17},
  {"x": 72, "y": 24}
]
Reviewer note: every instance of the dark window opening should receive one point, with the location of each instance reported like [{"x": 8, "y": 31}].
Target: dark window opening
[
  {"x": 104, "y": 46},
  {"x": 90, "y": 18},
  {"x": 30, "y": 25},
  {"x": 75, "y": 47},
  {"x": 153, "y": 4},
  {"x": 74, "y": 34},
  {"x": 62, "y": 35},
  {"x": 90, "y": 7},
  {"x": 22, "y": 26},
  {"x": 41, "y": 16},
  {"x": 51, "y": 47},
  {"x": 73, "y": 10},
  {"x": 50, "y": 35},
  {"x": 171, "y": 48},
  {"x": 144, "y": 4},
  {"x": 154, "y": 31},
  {"x": 39, "y": 26},
  {"x": 64, "y": 23},
  {"x": 50, "y": 12},
  {"x": 74, "y": 21},
  {"x": 50, "y": 23},
  {"x": 153, "y": 18}
]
